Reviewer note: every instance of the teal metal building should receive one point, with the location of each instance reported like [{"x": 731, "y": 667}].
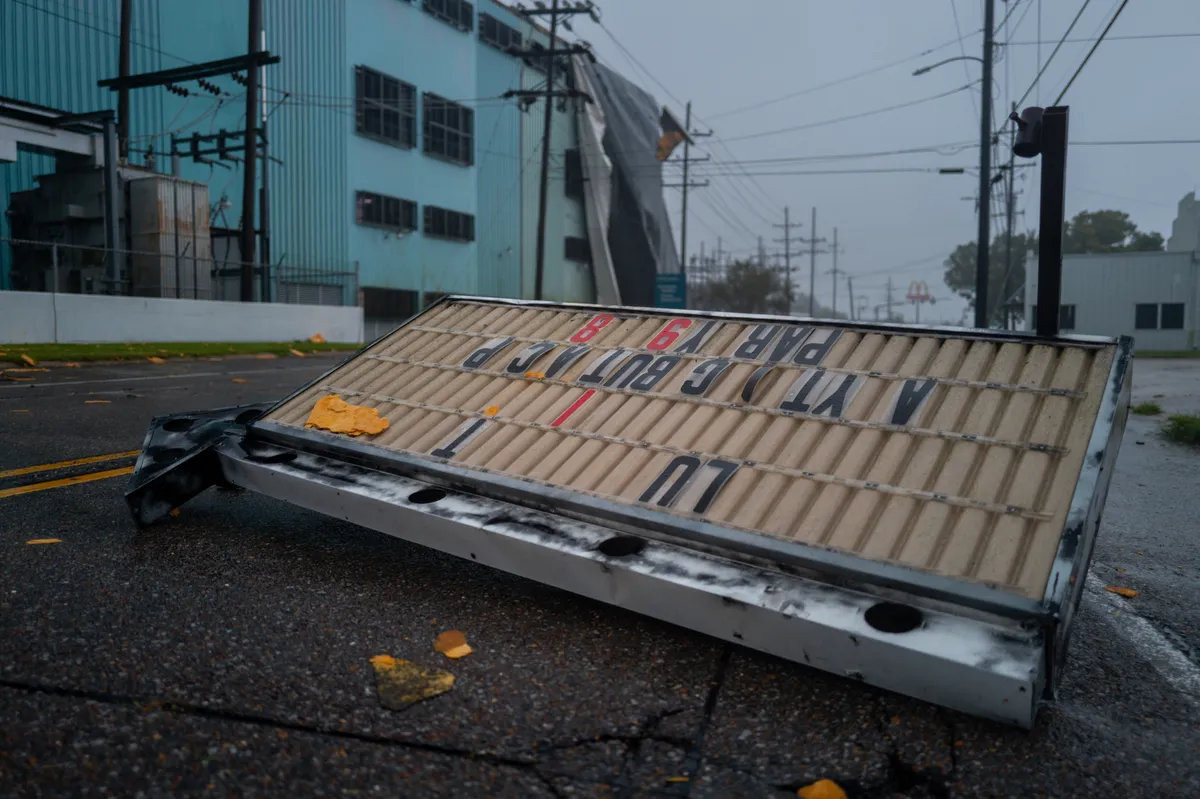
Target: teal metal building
[{"x": 400, "y": 157}]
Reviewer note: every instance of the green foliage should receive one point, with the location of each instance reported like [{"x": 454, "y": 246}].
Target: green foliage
[
  {"x": 748, "y": 287},
  {"x": 1183, "y": 428},
  {"x": 1147, "y": 409},
  {"x": 1107, "y": 231},
  {"x": 1086, "y": 232}
]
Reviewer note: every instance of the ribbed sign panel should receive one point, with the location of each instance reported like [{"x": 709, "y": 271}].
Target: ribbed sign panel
[{"x": 952, "y": 454}]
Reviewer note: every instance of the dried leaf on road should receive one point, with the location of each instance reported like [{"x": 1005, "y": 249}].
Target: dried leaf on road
[
  {"x": 20, "y": 410},
  {"x": 266, "y": 356},
  {"x": 174, "y": 512},
  {"x": 296, "y": 352},
  {"x": 677, "y": 779},
  {"x": 453, "y": 644},
  {"x": 26, "y": 371},
  {"x": 822, "y": 789},
  {"x": 1128, "y": 593},
  {"x": 44, "y": 541},
  {"x": 156, "y": 359},
  {"x": 71, "y": 365},
  {"x": 338, "y": 416},
  {"x": 316, "y": 339},
  {"x": 240, "y": 380},
  {"x": 28, "y": 360},
  {"x": 97, "y": 402},
  {"x": 401, "y": 684}
]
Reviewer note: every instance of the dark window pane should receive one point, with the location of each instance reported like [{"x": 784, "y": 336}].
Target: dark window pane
[
  {"x": 577, "y": 249},
  {"x": 1145, "y": 316},
  {"x": 1066, "y": 317},
  {"x": 1172, "y": 316}
]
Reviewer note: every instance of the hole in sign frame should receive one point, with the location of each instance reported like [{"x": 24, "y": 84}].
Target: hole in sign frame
[
  {"x": 426, "y": 496},
  {"x": 892, "y": 617},
  {"x": 622, "y": 546}
]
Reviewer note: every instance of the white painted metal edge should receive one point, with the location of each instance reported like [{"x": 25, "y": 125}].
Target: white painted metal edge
[{"x": 993, "y": 670}]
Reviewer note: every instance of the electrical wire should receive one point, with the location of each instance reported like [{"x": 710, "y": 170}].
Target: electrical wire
[
  {"x": 1054, "y": 52},
  {"x": 1088, "y": 57},
  {"x": 1127, "y": 38},
  {"x": 963, "y": 49},
  {"x": 848, "y": 117}
]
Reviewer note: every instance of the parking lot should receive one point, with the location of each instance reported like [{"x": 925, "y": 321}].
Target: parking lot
[{"x": 227, "y": 650}]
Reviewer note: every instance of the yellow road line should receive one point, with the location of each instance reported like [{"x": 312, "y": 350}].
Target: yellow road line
[
  {"x": 52, "y": 467},
  {"x": 65, "y": 481}
]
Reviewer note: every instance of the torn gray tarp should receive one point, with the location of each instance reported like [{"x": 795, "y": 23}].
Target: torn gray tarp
[{"x": 627, "y": 218}]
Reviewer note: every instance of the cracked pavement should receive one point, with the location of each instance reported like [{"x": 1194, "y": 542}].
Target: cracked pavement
[{"x": 227, "y": 650}]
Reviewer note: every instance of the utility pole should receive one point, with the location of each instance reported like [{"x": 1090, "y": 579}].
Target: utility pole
[
  {"x": 1010, "y": 205},
  {"x": 985, "y": 170},
  {"x": 850, "y": 290},
  {"x": 786, "y": 241},
  {"x": 889, "y": 300},
  {"x": 687, "y": 159},
  {"x": 834, "y": 249},
  {"x": 123, "y": 71},
  {"x": 249, "y": 177},
  {"x": 812, "y": 243},
  {"x": 550, "y": 54},
  {"x": 264, "y": 197}
]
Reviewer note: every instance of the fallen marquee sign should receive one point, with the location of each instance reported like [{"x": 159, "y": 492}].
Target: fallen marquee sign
[{"x": 913, "y": 507}]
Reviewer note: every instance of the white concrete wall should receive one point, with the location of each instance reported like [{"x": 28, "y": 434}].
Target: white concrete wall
[
  {"x": 34, "y": 317},
  {"x": 1104, "y": 288}
]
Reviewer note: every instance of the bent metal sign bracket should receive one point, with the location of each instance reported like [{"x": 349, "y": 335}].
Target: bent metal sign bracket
[{"x": 914, "y": 507}]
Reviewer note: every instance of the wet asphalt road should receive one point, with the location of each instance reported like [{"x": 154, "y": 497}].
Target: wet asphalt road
[{"x": 226, "y": 651}]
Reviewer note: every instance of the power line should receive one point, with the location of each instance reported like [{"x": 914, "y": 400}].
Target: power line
[
  {"x": 849, "y": 117},
  {"x": 1087, "y": 57},
  {"x": 1054, "y": 52},
  {"x": 1130, "y": 37},
  {"x": 963, "y": 49}
]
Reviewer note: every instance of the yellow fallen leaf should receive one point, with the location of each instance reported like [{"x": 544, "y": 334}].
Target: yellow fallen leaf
[
  {"x": 97, "y": 402},
  {"x": 316, "y": 339},
  {"x": 536, "y": 375},
  {"x": 452, "y": 644},
  {"x": 491, "y": 410},
  {"x": 1128, "y": 593},
  {"x": 44, "y": 541},
  {"x": 822, "y": 789},
  {"x": 156, "y": 359},
  {"x": 20, "y": 410},
  {"x": 240, "y": 380},
  {"x": 28, "y": 360},
  {"x": 400, "y": 683},
  {"x": 296, "y": 352},
  {"x": 677, "y": 779},
  {"x": 267, "y": 356},
  {"x": 338, "y": 416},
  {"x": 174, "y": 512},
  {"x": 71, "y": 365}
]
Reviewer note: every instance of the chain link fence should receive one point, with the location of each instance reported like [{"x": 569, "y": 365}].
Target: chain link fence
[{"x": 187, "y": 274}]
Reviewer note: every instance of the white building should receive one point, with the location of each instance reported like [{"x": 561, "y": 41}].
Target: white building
[{"x": 1152, "y": 296}]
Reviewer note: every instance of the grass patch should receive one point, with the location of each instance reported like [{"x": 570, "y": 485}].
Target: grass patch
[
  {"x": 1147, "y": 409},
  {"x": 1183, "y": 428},
  {"x": 11, "y": 353},
  {"x": 1167, "y": 354}
]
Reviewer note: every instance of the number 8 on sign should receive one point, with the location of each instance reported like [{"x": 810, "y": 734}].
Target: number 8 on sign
[{"x": 594, "y": 326}]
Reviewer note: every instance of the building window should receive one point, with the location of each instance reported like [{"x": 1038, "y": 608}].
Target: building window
[
  {"x": 573, "y": 174},
  {"x": 386, "y": 108},
  {"x": 577, "y": 249},
  {"x": 397, "y": 304},
  {"x": 1145, "y": 316},
  {"x": 449, "y": 130},
  {"x": 1066, "y": 317},
  {"x": 456, "y": 12},
  {"x": 1172, "y": 316},
  {"x": 447, "y": 224},
  {"x": 379, "y": 210},
  {"x": 494, "y": 32}
]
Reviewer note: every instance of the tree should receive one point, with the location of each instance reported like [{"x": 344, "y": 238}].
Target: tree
[
  {"x": 747, "y": 287},
  {"x": 1107, "y": 231},
  {"x": 1086, "y": 232},
  {"x": 1006, "y": 284}
]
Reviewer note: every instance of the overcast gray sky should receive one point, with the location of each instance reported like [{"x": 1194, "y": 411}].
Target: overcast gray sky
[{"x": 725, "y": 55}]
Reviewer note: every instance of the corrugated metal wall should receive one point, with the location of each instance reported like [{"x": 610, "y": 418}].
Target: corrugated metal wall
[
  {"x": 52, "y": 52},
  {"x": 1106, "y": 288}
]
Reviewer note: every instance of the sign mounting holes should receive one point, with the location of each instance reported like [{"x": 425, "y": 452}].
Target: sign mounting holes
[
  {"x": 178, "y": 425},
  {"x": 622, "y": 546},
  {"x": 425, "y": 496},
  {"x": 892, "y": 617}
]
